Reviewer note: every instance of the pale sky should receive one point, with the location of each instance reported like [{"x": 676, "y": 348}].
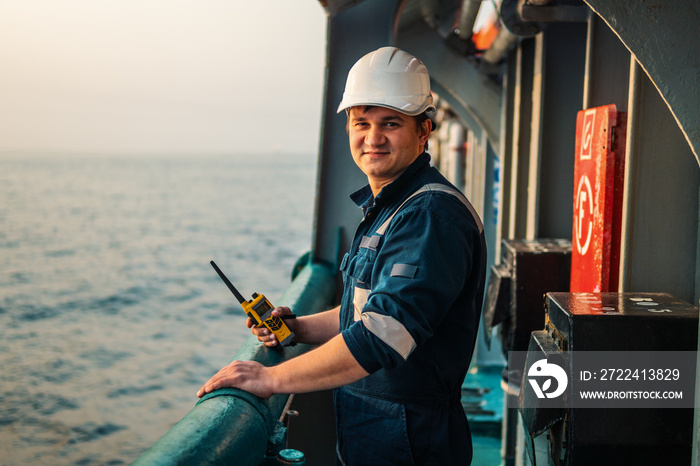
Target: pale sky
[{"x": 161, "y": 76}]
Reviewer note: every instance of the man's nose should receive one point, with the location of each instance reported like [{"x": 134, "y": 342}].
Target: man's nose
[{"x": 375, "y": 136}]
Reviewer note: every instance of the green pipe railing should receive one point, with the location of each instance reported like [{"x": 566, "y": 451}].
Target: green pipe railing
[{"x": 231, "y": 426}]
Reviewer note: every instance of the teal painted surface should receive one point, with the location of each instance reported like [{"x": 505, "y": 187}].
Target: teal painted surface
[
  {"x": 487, "y": 450},
  {"x": 231, "y": 426},
  {"x": 485, "y": 424}
]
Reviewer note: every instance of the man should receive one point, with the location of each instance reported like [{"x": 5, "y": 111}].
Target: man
[{"x": 400, "y": 343}]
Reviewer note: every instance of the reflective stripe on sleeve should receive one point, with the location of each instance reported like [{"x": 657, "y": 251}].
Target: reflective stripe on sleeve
[
  {"x": 390, "y": 331},
  {"x": 404, "y": 270}
]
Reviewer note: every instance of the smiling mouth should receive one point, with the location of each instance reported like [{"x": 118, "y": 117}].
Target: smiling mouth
[{"x": 376, "y": 154}]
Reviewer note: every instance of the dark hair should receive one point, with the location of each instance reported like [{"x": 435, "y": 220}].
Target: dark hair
[{"x": 422, "y": 117}]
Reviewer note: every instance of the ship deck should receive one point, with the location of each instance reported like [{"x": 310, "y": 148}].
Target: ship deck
[{"x": 482, "y": 398}]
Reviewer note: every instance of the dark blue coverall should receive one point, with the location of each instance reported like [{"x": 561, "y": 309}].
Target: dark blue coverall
[{"x": 413, "y": 291}]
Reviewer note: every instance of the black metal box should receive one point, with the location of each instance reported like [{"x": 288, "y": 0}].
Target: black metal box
[
  {"x": 613, "y": 323},
  {"x": 515, "y": 297},
  {"x": 621, "y": 322}
]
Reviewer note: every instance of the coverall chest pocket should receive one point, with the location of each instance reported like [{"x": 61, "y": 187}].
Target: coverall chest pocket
[{"x": 359, "y": 272}]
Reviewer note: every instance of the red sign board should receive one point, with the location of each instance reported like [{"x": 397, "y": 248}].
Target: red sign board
[{"x": 598, "y": 187}]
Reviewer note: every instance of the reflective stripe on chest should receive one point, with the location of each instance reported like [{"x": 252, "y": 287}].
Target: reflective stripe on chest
[{"x": 434, "y": 187}]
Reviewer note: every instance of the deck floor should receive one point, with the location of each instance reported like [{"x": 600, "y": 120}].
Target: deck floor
[{"x": 482, "y": 398}]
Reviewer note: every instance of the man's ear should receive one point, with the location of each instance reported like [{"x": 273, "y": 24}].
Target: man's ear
[{"x": 426, "y": 127}]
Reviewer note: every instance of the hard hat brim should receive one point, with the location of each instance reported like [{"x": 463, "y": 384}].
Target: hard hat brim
[{"x": 410, "y": 110}]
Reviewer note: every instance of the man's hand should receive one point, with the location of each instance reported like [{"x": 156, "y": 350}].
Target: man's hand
[
  {"x": 250, "y": 376},
  {"x": 265, "y": 336},
  {"x": 328, "y": 366}
]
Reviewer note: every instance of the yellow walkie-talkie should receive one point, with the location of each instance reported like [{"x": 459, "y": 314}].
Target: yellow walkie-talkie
[{"x": 260, "y": 310}]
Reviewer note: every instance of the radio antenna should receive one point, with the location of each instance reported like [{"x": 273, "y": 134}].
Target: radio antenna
[{"x": 228, "y": 283}]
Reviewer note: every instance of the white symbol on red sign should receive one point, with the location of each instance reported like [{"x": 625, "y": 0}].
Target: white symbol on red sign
[
  {"x": 583, "y": 214},
  {"x": 587, "y": 136}
]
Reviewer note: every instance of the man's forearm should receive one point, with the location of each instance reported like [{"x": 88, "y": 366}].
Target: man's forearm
[
  {"x": 317, "y": 329},
  {"x": 328, "y": 366}
]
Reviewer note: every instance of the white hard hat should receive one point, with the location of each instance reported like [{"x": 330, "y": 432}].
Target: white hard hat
[{"x": 391, "y": 78}]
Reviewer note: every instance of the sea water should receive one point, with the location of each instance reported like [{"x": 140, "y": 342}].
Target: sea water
[{"x": 111, "y": 316}]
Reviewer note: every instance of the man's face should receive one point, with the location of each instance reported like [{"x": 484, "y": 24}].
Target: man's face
[{"x": 384, "y": 142}]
